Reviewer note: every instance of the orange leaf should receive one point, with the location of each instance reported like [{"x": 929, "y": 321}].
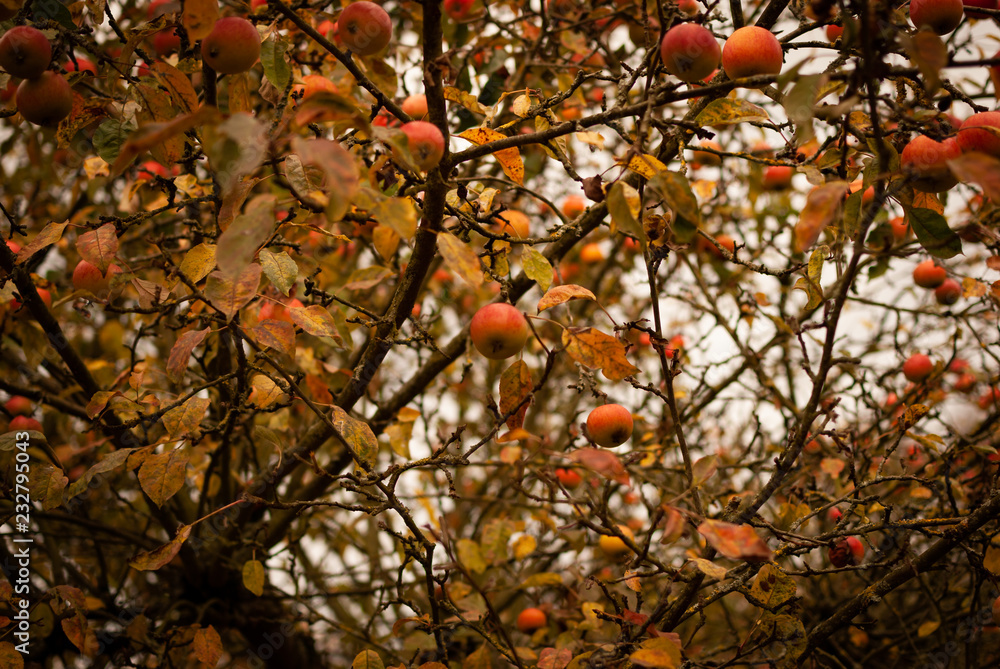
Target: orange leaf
[
  {"x": 228, "y": 294},
  {"x": 186, "y": 418},
  {"x": 597, "y": 350},
  {"x": 739, "y": 542},
  {"x": 163, "y": 474},
  {"x": 515, "y": 387},
  {"x": 316, "y": 320},
  {"x": 509, "y": 159},
  {"x": 278, "y": 335},
  {"x": 561, "y": 294},
  {"x": 156, "y": 558},
  {"x": 208, "y": 646},
  {"x": 49, "y": 235},
  {"x": 98, "y": 247},
  {"x": 461, "y": 258},
  {"x": 180, "y": 353},
  {"x": 823, "y": 206}
]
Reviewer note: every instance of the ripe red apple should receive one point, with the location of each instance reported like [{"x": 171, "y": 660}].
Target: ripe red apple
[
  {"x": 88, "y": 277},
  {"x": 591, "y": 253},
  {"x": 364, "y": 27},
  {"x": 569, "y": 478},
  {"x": 426, "y": 142},
  {"x": 498, "y": 330},
  {"x": 232, "y": 47},
  {"x": 515, "y": 223},
  {"x": 849, "y": 551},
  {"x": 917, "y": 367},
  {"x": 926, "y": 160},
  {"x": 984, "y": 4},
  {"x": 948, "y": 293},
  {"x": 46, "y": 100},
  {"x": 313, "y": 84},
  {"x": 965, "y": 383},
  {"x": 689, "y": 52},
  {"x": 573, "y": 206},
  {"x": 750, "y": 51},
  {"x": 530, "y": 620},
  {"x": 256, "y": 5},
  {"x": 688, "y": 7},
  {"x": 941, "y": 16},
  {"x": 161, "y": 7},
  {"x": 23, "y": 423},
  {"x": 610, "y": 425},
  {"x": 25, "y": 52},
  {"x": 834, "y": 515},
  {"x": 19, "y": 405},
  {"x": 276, "y": 311},
  {"x": 929, "y": 275},
  {"x": 415, "y": 106},
  {"x": 778, "y": 177},
  {"x": 834, "y": 32},
  {"x": 981, "y": 132},
  {"x": 458, "y": 10},
  {"x": 166, "y": 42},
  {"x": 989, "y": 399}
]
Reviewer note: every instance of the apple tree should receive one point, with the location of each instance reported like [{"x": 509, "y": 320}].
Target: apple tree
[{"x": 489, "y": 333}]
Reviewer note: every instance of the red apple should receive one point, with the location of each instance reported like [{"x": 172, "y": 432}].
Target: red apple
[
  {"x": 948, "y": 293},
  {"x": 573, "y": 206},
  {"x": 941, "y": 16},
  {"x": 166, "y": 42},
  {"x": 364, "y": 27},
  {"x": 515, "y": 223},
  {"x": 981, "y": 132},
  {"x": 458, "y": 10},
  {"x": 415, "y": 106},
  {"x": 778, "y": 177},
  {"x": 498, "y": 330},
  {"x": 530, "y": 620},
  {"x": 929, "y": 275},
  {"x": 990, "y": 399},
  {"x": 24, "y": 423},
  {"x": 610, "y": 425},
  {"x": 19, "y": 405},
  {"x": 232, "y": 47},
  {"x": 926, "y": 160},
  {"x": 834, "y": 32},
  {"x": 569, "y": 478},
  {"x": 900, "y": 228},
  {"x": 25, "y": 52},
  {"x": 81, "y": 65},
  {"x": 917, "y": 367},
  {"x": 750, "y": 51},
  {"x": 46, "y": 100},
  {"x": 965, "y": 383},
  {"x": 426, "y": 142},
  {"x": 689, "y": 52},
  {"x": 707, "y": 158}
]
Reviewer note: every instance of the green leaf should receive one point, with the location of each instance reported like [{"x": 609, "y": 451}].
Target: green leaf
[
  {"x": 676, "y": 191},
  {"x": 470, "y": 556},
  {"x": 933, "y": 233},
  {"x": 625, "y": 208},
  {"x": 109, "y": 138},
  {"x": 537, "y": 268},
  {"x": 272, "y": 57}
]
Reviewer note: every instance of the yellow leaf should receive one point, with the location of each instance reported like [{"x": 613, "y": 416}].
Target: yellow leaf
[
  {"x": 928, "y": 628},
  {"x": 253, "y": 576},
  {"x": 597, "y": 350},
  {"x": 461, "y": 258},
  {"x": 645, "y": 165},
  {"x": 509, "y": 159}
]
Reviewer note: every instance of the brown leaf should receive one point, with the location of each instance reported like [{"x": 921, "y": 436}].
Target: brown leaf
[
  {"x": 730, "y": 111},
  {"x": 163, "y": 474},
  {"x": 185, "y": 419},
  {"x": 49, "y": 235},
  {"x": 229, "y": 295},
  {"x": 597, "y": 350},
  {"x": 98, "y": 247},
  {"x": 156, "y": 558},
  {"x": 739, "y": 542},
  {"x": 99, "y": 401},
  {"x": 460, "y": 257},
  {"x": 366, "y": 278},
  {"x": 161, "y": 135},
  {"x": 239, "y": 243},
  {"x": 562, "y": 294},
  {"x": 509, "y": 159},
  {"x": 208, "y": 646},
  {"x": 177, "y": 83},
  {"x": 602, "y": 462},
  {"x": 10, "y": 657},
  {"x": 80, "y": 634},
  {"x": 358, "y": 435},
  {"x": 278, "y": 335},
  {"x": 550, "y": 658},
  {"x": 772, "y": 586},
  {"x": 515, "y": 387},
  {"x": 47, "y": 484},
  {"x": 109, "y": 463},
  {"x": 180, "y": 353},
  {"x": 823, "y": 206},
  {"x": 341, "y": 176},
  {"x": 316, "y": 320}
]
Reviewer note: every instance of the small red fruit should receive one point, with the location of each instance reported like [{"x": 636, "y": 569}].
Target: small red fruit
[
  {"x": 498, "y": 330},
  {"x": 573, "y": 206},
  {"x": 750, "y": 51},
  {"x": 929, "y": 275},
  {"x": 941, "y": 16},
  {"x": 989, "y": 400},
  {"x": 415, "y": 106},
  {"x": 844, "y": 552},
  {"x": 531, "y": 619},
  {"x": 166, "y": 42},
  {"x": 917, "y": 367},
  {"x": 458, "y": 10},
  {"x": 25, "y": 52},
  {"x": 426, "y": 142},
  {"x": 364, "y": 27},
  {"x": 948, "y": 293},
  {"x": 690, "y": 52},
  {"x": 778, "y": 177},
  {"x": 981, "y": 132},
  {"x": 22, "y": 423},
  {"x": 19, "y": 405},
  {"x": 46, "y": 100},
  {"x": 232, "y": 47},
  {"x": 569, "y": 478},
  {"x": 610, "y": 425},
  {"x": 926, "y": 160}
]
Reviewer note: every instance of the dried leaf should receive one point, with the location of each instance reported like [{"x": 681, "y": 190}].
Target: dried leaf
[
  {"x": 318, "y": 321},
  {"x": 49, "y": 235},
  {"x": 208, "y": 646},
  {"x": 228, "y": 294},
  {"x": 199, "y": 262},
  {"x": 509, "y": 159},
  {"x": 772, "y": 586},
  {"x": 470, "y": 556},
  {"x": 253, "y": 576},
  {"x": 278, "y": 335},
  {"x": 729, "y": 111},
  {"x": 515, "y": 387},
  {"x": 537, "y": 268},
  {"x": 185, "y": 419},
  {"x": 562, "y": 294},
  {"x": 597, "y": 350},
  {"x": 738, "y": 542},
  {"x": 823, "y": 205},
  {"x": 98, "y": 247},
  {"x": 602, "y": 462},
  {"x": 358, "y": 435},
  {"x": 154, "y": 559},
  {"x": 279, "y": 268},
  {"x": 180, "y": 353},
  {"x": 162, "y": 475},
  {"x": 460, "y": 257}
]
